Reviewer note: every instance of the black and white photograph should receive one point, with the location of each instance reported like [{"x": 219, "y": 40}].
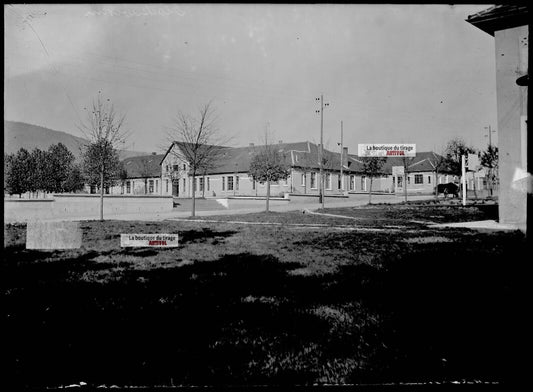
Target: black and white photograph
[{"x": 266, "y": 196}]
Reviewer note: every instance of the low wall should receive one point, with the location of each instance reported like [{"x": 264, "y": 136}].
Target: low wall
[
  {"x": 86, "y": 206},
  {"x": 234, "y": 203},
  {"x": 299, "y": 198}
]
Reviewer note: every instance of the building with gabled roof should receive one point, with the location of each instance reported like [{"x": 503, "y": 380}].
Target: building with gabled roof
[
  {"x": 228, "y": 173},
  {"x": 143, "y": 176},
  {"x": 170, "y": 174}
]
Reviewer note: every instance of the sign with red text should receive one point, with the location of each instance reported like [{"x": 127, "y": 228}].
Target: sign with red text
[
  {"x": 386, "y": 150},
  {"x": 149, "y": 240}
]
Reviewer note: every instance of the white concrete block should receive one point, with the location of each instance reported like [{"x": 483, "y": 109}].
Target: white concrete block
[{"x": 53, "y": 235}]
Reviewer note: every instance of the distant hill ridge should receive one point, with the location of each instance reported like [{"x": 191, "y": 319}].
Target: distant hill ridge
[{"x": 19, "y": 135}]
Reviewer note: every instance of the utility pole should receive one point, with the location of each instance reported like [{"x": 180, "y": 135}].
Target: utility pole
[
  {"x": 463, "y": 175},
  {"x": 490, "y": 134},
  {"x": 321, "y": 150},
  {"x": 342, "y": 150}
]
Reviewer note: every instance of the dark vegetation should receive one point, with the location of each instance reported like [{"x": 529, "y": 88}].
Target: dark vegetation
[{"x": 240, "y": 304}]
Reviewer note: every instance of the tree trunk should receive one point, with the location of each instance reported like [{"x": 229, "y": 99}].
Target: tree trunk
[
  {"x": 323, "y": 188},
  {"x": 370, "y": 192},
  {"x": 102, "y": 193},
  {"x": 193, "y": 194},
  {"x": 436, "y": 184},
  {"x": 268, "y": 196},
  {"x": 405, "y": 185},
  {"x": 475, "y": 191}
]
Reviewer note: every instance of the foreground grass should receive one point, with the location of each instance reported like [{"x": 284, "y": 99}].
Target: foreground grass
[{"x": 243, "y": 304}]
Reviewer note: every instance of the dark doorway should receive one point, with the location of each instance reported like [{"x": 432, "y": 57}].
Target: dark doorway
[{"x": 175, "y": 188}]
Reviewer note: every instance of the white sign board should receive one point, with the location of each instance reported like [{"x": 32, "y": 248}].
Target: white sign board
[
  {"x": 149, "y": 240},
  {"x": 387, "y": 150}
]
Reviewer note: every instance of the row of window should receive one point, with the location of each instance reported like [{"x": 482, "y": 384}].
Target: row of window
[
  {"x": 327, "y": 178},
  {"x": 419, "y": 179},
  {"x": 153, "y": 185},
  {"x": 175, "y": 167},
  {"x": 230, "y": 183}
]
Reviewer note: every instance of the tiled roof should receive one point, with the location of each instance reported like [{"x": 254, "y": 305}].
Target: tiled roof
[
  {"x": 500, "y": 17},
  {"x": 423, "y": 162},
  {"x": 305, "y": 155},
  {"x": 238, "y": 159},
  {"x": 143, "y": 166}
]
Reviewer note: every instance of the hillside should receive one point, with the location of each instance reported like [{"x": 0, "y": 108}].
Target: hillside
[{"x": 21, "y": 135}]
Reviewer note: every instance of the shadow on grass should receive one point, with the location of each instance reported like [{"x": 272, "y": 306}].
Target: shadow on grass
[{"x": 438, "y": 312}]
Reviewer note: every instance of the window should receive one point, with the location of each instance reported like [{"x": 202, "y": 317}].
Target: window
[
  {"x": 201, "y": 185},
  {"x": 303, "y": 179},
  {"x": 166, "y": 186},
  {"x": 237, "y": 182},
  {"x": 223, "y": 183},
  {"x": 328, "y": 180},
  {"x": 419, "y": 179},
  {"x": 363, "y": 183},
  {"x": 352, "y": 183},
  {"x": 400, "y": 181},
  {"x": 253, "y": 184},
  {"x": 184, "y": 167},
  {"x": 150, "y": 186},
  {"x": 313, "y": 180},
  {"x": 128, "y": 187},
  {"x": 408, "y": 180},
  {"x": 429, "y": 179},
  {"x": 184, "y": 185},
  {"x": 175, "y": 167},
  {"x": 207, "y": 183},
  {"x": 339, "y": 182},
  {"x": 156, "y": 186},
  {"x": 230, "y": 183}
]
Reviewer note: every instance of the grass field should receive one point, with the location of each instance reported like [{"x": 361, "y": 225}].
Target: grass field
[{"x": 376, "y": 297}]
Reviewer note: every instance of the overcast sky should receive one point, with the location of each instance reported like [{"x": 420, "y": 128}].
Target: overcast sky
[{"x": 392, "y": 73}]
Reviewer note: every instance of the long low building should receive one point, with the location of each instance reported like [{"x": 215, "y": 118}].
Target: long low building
[
  {"x": 229, "y": 175},
  {"x": 169, "y": 174}
]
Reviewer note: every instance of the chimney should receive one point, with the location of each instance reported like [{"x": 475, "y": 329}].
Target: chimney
[{"x": 345, "y": 156}]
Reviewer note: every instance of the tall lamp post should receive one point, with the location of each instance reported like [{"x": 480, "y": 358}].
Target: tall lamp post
[
  {"x": 321, "y": 150},
  {"x": 342, "y": 150}
]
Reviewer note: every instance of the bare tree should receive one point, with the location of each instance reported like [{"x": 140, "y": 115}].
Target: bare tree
[
  {"x": 268, "y": 165},
  {"x": 439, "y": 164},
  {"x": 489, "y": 160},
  {"x": 104, "y": 130},
  {"x": 406, "y": 163},
  {"x": 372, "y": 168},
  {"x": 198, "y": 143}
]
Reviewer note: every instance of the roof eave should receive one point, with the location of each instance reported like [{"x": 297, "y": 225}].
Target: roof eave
[{"x": 501, "y": 18}]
